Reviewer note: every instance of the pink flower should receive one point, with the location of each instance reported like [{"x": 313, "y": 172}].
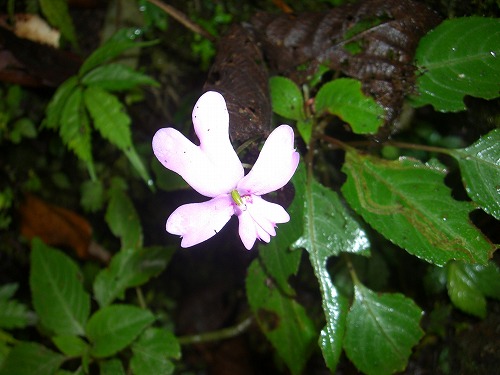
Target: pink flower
[{"x": 214, "y": 170}]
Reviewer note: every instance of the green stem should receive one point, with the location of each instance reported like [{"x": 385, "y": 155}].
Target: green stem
[
  {"x": 222, "y": 334},
  {"x": 140, "y": 298}
]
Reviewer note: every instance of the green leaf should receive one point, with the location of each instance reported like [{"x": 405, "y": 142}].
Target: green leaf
[
  {"x": 469, "y": 285},
  {"x": 129, "y": 268},
  {"x": 58, "y": 16},
  {"x": 13, "y": 314},
  {"x": 305, "y": 129},
  {"x": 72, "y": 346},
  {"x": 123, "y": 220},
  {"x": 75, "y": 128},
  {"x": 109, "y": 116},
  {"x": 58, "y": 295},
  {"x": 408, "y": 203},
  {"x": 116, "y": 77},
  {"x": 114, "y": 327},
  {"x": 480, "y": 168},
  {"x": 381, "y": 331},
  {"x": 58, "y": 102},
  {"x": 276, "y": 256},
  {"x": 120, "y": 42},
  {"x": 154, "y": 351},
  {"x": 139, "y": 166},
  {"x": 111, "y": 367},
  {"x": 329, "y": 230},
  {"x": 284, "y": 322},
  {"x": 459, "y": 57},
  {"x": 344, "y": 98},
  {"x": 28, "y": 358},
  {"x": 92, "y": 198},
  {"x": 286, "y": 98}
]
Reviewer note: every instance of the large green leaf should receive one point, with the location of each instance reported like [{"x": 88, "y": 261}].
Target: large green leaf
[
  {"x": 154, "y": 351},
  {"x": 381, "y": 331},
  {"x": 109, "y": 116},
  {"x": 459, "y": 57},
  {"x": 408, "y": 202},
  {"x": 129, "y": 268},
  {"x": 469, "y": 285},
  {"x": 58, "y": 16},
  {"x": 59, "y": 299},
  {"x": 329, "y": 230},
  {"x": 343, "y": 97},
  {"x": 28, "y": 358},
  {"x": 114, "y": 327},
  {"x": 284, "y": 321},
  {"x": 286, "y": 98},
  {"x": 122, "y": 218},
  {"x": 480, "y": 168},
  {"x": 116, "y": 77}
]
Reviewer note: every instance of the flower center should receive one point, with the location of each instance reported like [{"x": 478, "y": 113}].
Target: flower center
[{"x": 238, "y": 200}]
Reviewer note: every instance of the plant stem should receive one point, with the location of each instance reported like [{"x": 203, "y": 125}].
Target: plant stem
[{"x": 222, "y": 334}]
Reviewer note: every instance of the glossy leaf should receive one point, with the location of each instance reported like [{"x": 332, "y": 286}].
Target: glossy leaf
[
  {"x": 329, "y": 230},
  {"x": 154, "y": 351},
  {"x": 381, "y": 331},
  {"x": 116, "y": 77},
  {"x": 58, "y": 102},
  {"x": 282, "y": 320},
  {"x": 408, "y": 203},
  {"x": 480, "y": 169},
  {"x": 122, "y": 219},
  {"x": 344, "y": 98},
  {"x": 459, "y": 57},
  {"x": 58, "y": 296},
  {"x": 129, "y": 268},
  {"x": 28, "y": 358},
  {"x": 109, "y": 116},
  {"x": 469, "y": 285},
  {"x": 286, "y": 98},
  {"x": 72, "y": 346},
  {"x": 114, "y": 327},
  {"x": 58, "y": 16}
]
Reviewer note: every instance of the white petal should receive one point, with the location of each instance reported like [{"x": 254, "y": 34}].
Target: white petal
[
  {"x": 275, "y": 165},
  {"x": 197, "y": 222},
  {"x": 180, "y": 155}
]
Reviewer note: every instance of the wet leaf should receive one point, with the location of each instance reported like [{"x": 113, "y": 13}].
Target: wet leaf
[
  {"x": 343, "y": 97},
  {"x": 154, "y": 351},
  {"x": 469, "y": 285},
  {"x": 329, "y": 230},
  {"x": 381, "y": 331},
  {"x": 286, "y": 97},
  {"x": 129, "y": 268},
  {"x": 114, "y": 327},
  {"x": 459, "y": 57},
  {"x": 59, "y": 299},
  {"x": 28, "y": 358},
  {"x": 480, "y": 168},
  {"x": 282, "y": 320},
  {"x": 116, "y": 77},
  {"x": 408, "y": 203}
]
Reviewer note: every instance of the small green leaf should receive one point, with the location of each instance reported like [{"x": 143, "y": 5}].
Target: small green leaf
[
  {"x": 344, "y": 98},
  {"x": 116, "y": 77},
  {"x": 329, "y": 230},
  {"x": 408, "y": 203},
  {"x": 58, "y": 16},
  {"x": 284, "y": 322},
  {"x": 75, "y": 128},
  {"x": 58, "y": 295},
  {"x": 137, "y": 163},
  {"x": 28, "y": 358},
  {"x": 469, "y": 285},
  {"x": 114, "y": 327},
  {"x": 58, "y": 102},
  {"x": 13, "y": 314},
  {"x": 111, "y": 367},
  {"x": 92, "y": 198},
  {"x": 109, "y": 116},
  {"x": 154, "y": 351},
  {"x": 129, "y": 268},
  {"x": 123, "y": 220},
  {"x": 459, "y": 57},
  {"x": 286, "y": 98},
  {"x": 166, "y": 179},
  {"x": 305, "y": 129},
  {"x": 72, "y": 346},
  {"x": 480, "y": 168},
  {"x": 381, "y": 331}
]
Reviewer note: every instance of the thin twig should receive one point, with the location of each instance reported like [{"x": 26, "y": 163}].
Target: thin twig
[
  {"x": 183, "y": 19},
  {"x": 217, "y": 335}
]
